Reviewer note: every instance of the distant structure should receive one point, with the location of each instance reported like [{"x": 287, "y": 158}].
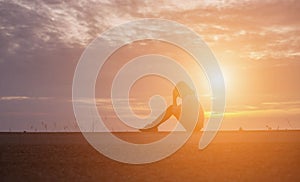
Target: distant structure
[{"x": 269, "y": 127}]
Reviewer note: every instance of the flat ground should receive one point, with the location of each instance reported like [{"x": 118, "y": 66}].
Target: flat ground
[{"x": 232, "y": 156}]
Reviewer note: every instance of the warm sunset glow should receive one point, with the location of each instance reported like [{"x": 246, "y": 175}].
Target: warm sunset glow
[
  {"x": 150, "y": 90},
  {"x": 255, "y": 42}
]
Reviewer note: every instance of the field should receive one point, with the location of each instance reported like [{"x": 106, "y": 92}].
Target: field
[{"x": 232, "y": 156}]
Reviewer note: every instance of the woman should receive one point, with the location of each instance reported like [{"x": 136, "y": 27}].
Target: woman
[{"x": 183, "y": 91}]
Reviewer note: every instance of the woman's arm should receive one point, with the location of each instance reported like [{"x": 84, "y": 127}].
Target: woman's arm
[{"x": 175, "y": 95}]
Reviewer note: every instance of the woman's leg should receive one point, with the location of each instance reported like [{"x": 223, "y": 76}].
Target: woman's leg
[{"x": 171, "y": 110}]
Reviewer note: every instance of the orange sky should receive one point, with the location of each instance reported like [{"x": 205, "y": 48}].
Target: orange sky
[
  {"x": 257, "y": 45},
  {"x": 255, "y": 42}
]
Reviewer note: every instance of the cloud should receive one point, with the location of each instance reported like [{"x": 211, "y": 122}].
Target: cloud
[
  {"x": 41, "y": 42},
  {"x": 21, "y": 98},
  {"x": 257, "y": 27},
  {"x": 265, "y": 108},
  {"x": 8, "y": 98}
]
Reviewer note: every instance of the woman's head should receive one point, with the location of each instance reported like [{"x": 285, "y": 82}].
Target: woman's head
[{"x": 183, "y": 89}]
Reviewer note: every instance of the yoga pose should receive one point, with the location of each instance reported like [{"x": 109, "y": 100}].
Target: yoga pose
[{"x": 183, "y": 91}]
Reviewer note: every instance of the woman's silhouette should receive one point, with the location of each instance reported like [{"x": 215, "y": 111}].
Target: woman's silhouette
[{"x": 183, "y": 91}]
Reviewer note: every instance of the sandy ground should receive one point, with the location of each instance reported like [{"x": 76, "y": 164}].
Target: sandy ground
[{"x": 233, "y": 156}]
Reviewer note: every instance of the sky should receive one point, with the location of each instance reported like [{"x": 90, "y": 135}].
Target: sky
[{"x": 257, "y": 44}]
